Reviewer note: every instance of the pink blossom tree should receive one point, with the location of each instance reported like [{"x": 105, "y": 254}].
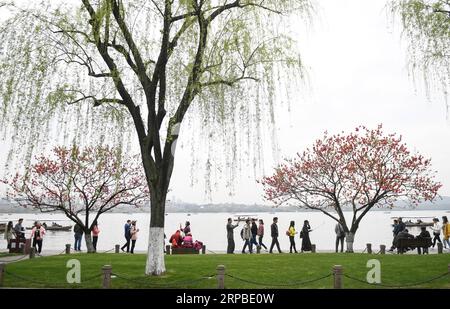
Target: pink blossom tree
[
  {"x": 359, "y": 171},
  {"x": 81, "y": 183}
]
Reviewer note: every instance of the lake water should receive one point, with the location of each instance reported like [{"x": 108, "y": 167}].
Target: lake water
[{"x": 209, "y": 228}]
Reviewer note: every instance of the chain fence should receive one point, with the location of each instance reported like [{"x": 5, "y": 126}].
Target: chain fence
[
  {"x": 406, "y": 285},
  {"x": 169, "y": 285},
  {"x": 286, "y": 284}
]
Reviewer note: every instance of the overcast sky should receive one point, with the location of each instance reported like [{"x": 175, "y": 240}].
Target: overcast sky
[{"x": 358, "y": 76}]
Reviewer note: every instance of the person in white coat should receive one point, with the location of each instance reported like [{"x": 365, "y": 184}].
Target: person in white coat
[
  {"x": 436, "y": 231},
  {"x": 37, "y": 235}
]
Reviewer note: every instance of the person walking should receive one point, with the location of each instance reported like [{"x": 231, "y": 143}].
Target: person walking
[
  {"x": 292, "y": 233},
  {"x": 254, "y": 230},
  {"x": 274, "y": 234},
  {"x": 246, "y": 235},
  {"x": 230, "y": 235},
  {"x": 133, "y": 233},
  {"x": 127, "y": 228},
  {"x": 261, "y": 234},
  {"x": 37, "y": 236},
  {"x": 78, "y": 234},
  {"x": 395, "y": 232},
  {"x": 436, "y": 231},
  {"x": 95, "y": 232},
  {"x": 9, "y": 233},
  {"x": 340, "y": 236},
  {"x": 446, "y": 232},
  {"x": 306, "y": 242}
]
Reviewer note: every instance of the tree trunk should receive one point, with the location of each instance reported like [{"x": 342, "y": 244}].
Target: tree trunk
[
  {"x": 349, "y": 239},
  {"x": 89, "y": 245},
  {"x": 155, "y": 256}
]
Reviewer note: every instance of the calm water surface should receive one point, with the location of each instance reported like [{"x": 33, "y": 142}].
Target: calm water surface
[{"x": 209, "y": 228}]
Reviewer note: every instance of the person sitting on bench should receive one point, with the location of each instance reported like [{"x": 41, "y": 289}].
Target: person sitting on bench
[
  {"x": 176, "y": 240},
  {"x": 423, "y": 234},
  {"x": 402, "y": 235},
  {"x": 187, "y": 241}
]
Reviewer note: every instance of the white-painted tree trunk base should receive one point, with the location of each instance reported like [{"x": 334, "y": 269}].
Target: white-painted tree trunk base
[
  {"x": 89, "y": 244},
  {"x": 155, "y": 256},
  {"x": 349, "y": 239}
]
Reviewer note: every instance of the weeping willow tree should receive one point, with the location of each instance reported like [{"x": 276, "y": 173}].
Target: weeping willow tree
[
  {"x": 106, "y": 69},
  {"x": 426, "y": 27}
]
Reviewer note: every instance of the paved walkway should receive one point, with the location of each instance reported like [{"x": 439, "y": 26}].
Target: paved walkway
[{"x": 17, "y": 258}]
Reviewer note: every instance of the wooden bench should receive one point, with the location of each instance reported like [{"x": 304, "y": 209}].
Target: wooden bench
[
  {"x": 185, "y": 251},
  {"x": 412, "y": 243}
]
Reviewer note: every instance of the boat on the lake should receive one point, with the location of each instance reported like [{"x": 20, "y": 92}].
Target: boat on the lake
[
  {"x": 244, "y": 218},
  {"x": 55, "y": 227},
  {"x": 418, "y": 222}
]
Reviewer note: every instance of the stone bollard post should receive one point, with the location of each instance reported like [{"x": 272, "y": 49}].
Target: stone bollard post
[
  {"x": 337, "y": 274},
  {"x": 32, "y": 252},
  {"x": 168, "y": 249},
  {"x": 117, "y": 249},
  {"x": 67, "y": 248},
  {"x": 107, "y": 271},
  {"x": 369, "y": 248},
  {"x": 258, "y": 249},
  {"x": 3, "y": 266},
  {"x": 204, "y": 249},
  {"x": 313, "y": 248},
  {"x": 220, "y": 276},
  {"x": 382, "y": 249},
  {"x": 439, "y": 245}
]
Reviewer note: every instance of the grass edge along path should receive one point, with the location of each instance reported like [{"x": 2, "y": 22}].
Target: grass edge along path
[{"x": 242, "y": 271}]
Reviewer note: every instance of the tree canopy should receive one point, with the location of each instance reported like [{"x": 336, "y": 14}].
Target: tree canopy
[
  {"x": 356, "y": 171},
  {"x": 66, "y": 68},
  {"x": 426, "y": 28}
]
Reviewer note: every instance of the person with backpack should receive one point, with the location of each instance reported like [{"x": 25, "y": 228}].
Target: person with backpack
[
  {"x": 230, "y": 235},
  {"x": 246, "y": 234},
  {"x": 291, "y": 233},
  {"x": 261, "y": 234},
  {"x": 340, "y": 236},
  {"x": 274, "y": 234}
]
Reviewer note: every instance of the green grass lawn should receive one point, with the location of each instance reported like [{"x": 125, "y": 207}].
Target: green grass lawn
[{"x": 262, "y": 271}]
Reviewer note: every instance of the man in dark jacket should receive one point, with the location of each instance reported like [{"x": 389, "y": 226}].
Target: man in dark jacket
[
  {"x": 127, "y": 230},
  {"x": 402, "y": 235},
  {"x": 254, "y": 230},
  {"x": 230, "y": 236},
  {"x": 423, "y": 234},
  {"x": 274, "y": 234},
  {"x": 78, "y": 233}
]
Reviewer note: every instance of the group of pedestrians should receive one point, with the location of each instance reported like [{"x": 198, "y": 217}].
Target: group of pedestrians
[
  {"x": 253, "y": 235},
  {"x": 18, "y": 232},
  {"x": 401, "y": 232}
]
